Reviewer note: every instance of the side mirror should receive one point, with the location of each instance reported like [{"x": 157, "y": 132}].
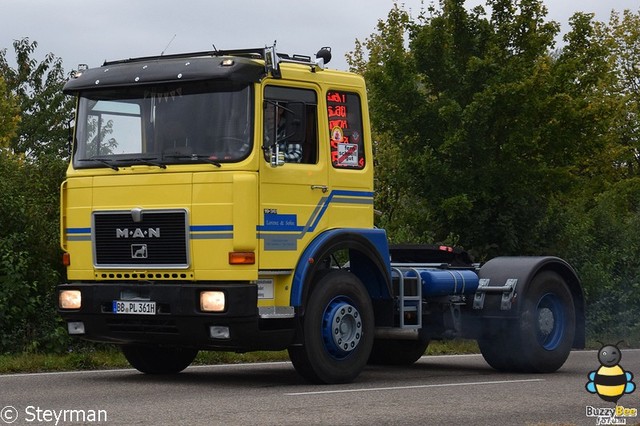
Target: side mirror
[
  {"x": 71, "y": 127},
  {"x": 276, "y": 156},
  {"x": 288, "y": 125}
]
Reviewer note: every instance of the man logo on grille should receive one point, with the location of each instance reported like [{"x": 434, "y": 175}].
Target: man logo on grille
[
  {"x": 139, "y": 251},
  {"x": 138, "y": 233}
]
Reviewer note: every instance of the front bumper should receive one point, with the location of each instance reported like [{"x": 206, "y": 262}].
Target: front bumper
[{"x": 178, "y": 320}]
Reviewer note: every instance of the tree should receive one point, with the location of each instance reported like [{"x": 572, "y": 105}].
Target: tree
[
  {"x": 33, "y": 115},
  {"x": 45, "y": 110},
  {"x": 483, "y": 148},
  {"x": 9, "y": 115},
  {"x": 487, "y": 137},
  {"x": 394, "y": 88},
  {"x": 30, "y": 266},
  {"x": 622, "y": 38},
  {"x": 597, "y": 227}
]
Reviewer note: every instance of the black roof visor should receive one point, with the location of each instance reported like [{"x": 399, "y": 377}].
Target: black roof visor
[{"x": 158, "y": 70}]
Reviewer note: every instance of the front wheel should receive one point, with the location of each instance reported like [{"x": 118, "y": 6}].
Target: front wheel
[
  {"x": 541, "y": 340},
  {"x": 338, "y": 330},
  {"x": 159, "y": 360}
]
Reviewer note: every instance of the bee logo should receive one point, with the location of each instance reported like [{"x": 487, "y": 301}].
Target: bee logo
[{"x": 610, "y": 381}]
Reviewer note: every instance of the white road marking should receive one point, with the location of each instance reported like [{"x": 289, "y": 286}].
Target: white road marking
[
  {"x": 441, "y": 385},
  {"x": 133, "y": 370}
]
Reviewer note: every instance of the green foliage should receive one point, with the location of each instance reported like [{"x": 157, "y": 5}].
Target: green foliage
[
  {"x": 9, "y": 115},
  {"x": 95, "y": 357},
  {"x": 32, "y": 122},
  {"x": 451, "y": 347},
  {"x": 29, "y": 254},
  {"x": 600, "y": 239},
  {"x": 597, "y": 225},
  {"x": 622, "y": 41},
  {"x": 44, "y": 109},
  {"x": 489, "y": 138},
  {"x": 481, "y": 97}
]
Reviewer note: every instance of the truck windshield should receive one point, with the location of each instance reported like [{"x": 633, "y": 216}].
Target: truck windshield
[{"x": 209, "y": 122}]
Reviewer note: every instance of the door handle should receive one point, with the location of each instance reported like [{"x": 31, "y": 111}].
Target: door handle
[{"x": 324, "y": 188}]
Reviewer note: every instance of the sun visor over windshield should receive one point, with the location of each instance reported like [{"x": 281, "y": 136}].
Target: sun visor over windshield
[{"x": 154, "y": 71}]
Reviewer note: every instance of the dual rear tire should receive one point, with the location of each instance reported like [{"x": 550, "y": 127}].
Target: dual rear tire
[{"x": 540, "y": 340}]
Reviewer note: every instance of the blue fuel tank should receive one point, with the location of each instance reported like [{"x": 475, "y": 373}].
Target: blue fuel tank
[{"x": 446, "y": 282}]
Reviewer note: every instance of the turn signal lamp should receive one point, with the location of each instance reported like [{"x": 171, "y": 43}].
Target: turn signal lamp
[
  {"x": 212, "y": 301},
  {"x": 242, "y": 258},
  {"x": 70, "y": 299}
]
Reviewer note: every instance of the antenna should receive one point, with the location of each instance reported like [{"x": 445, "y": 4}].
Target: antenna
[{"x": 168, "y": 44}]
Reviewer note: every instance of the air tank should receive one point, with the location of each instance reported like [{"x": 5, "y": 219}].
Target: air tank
[{"x": 445, "y": 282}]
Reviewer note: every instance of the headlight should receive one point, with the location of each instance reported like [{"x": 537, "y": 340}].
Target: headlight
[
  {"x": 212, "y": 301},
  {"x": 70, "y": 299}
]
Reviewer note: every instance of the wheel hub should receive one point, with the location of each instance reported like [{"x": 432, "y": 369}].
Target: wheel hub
[
  {"x": 550, "y": 321},
  {"x": 342, "y": 328},
  {"x": 545, "y": 321}
]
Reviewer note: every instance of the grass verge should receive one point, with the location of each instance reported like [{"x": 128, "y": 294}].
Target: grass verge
[
  {"x": 100, "y": 357},
  {"x": 109, "y": 357}
]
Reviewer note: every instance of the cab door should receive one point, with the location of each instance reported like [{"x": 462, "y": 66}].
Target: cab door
[{"x": 293, "y": 194}]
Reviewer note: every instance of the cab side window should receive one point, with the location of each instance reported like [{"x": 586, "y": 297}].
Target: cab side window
[
  {"x": 290, "y": 121},
  {"x": 345, "y": 130}
]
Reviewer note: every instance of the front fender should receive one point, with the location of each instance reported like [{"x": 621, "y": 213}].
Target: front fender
[{"x": 369, "y": 260}]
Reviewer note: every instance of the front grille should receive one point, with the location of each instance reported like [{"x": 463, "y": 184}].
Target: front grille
[{"x": 158, "y": 238}]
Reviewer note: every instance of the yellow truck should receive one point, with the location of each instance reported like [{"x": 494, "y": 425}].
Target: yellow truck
[{"x": 223, "y": 200}]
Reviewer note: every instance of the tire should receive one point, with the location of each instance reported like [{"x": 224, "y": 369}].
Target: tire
[
  {"x": 499, "y": 352},
  {"x": 158, "y": 360},
  {"x": 337, "y": 330},
  {"x": 397, "y": 352},
  {"x": 541, "y": 340}
]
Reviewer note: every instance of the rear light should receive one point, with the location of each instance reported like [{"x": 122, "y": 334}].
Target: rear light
[{"x": 66, "y": 259}]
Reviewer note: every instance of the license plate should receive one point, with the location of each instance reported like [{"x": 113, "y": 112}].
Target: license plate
[{"x": 134, "y": 307}]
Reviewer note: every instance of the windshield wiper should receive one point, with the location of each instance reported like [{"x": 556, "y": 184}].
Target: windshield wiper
[
  {"x": 102, "y": 161},
  {"x": 146, "y": 162},
  {"x": 195, "y": 157}
]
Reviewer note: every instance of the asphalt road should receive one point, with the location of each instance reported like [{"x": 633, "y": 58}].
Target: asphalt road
[{"x": 437, "y": 390}]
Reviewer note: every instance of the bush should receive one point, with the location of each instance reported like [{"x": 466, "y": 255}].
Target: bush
[
  {"x": 29, "y": 254},
  {"x": 600, "y": 239}
]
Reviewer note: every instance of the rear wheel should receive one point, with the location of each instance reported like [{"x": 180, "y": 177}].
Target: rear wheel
[
  {"x": 499, "y": 352},
  {"x": 158, "y": 360},
  {"x": 541, "y": 339},
  {"x": 338, "y": 330},
  {"x": 397, "y": 352}
]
